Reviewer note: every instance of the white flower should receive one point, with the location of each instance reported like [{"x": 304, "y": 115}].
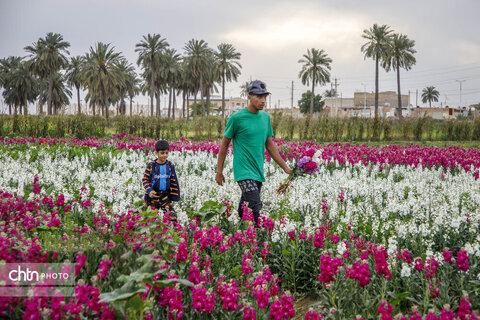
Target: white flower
[{"x": 406, "y": 271}]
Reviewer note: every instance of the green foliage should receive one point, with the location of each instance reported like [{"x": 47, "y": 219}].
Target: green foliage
[{"x": 304, "y": 102}]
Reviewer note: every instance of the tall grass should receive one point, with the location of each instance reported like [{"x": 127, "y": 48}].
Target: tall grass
[{"x": 286, "y": 126}]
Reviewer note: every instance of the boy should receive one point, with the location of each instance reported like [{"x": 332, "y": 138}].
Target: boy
[{"x": 160, "y": 181}]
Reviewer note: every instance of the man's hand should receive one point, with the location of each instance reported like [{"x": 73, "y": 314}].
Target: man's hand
[
  {"x": 152, "y": 194},
  {"x": 219, "y": 178},
  {"x": 287, "y": 170}
]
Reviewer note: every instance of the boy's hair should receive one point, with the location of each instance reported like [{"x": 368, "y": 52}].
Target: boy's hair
[{"x": 162, "y": 145}]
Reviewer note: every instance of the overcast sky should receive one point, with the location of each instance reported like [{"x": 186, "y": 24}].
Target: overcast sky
[{"x": 272, "y": 35}]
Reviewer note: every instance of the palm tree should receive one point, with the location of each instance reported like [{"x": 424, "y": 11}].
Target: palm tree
[
  {"x": 316, "y": 66},
  {"x": 73, "y": 76},
  {"x": 7, "y": 66},
  {"x": 132, "y": 83},
  {"x": 60, "y": 94},
  {"x": 128, "y": 72},
  {"x": 21, "y": 87},
  {"x": 170, "y": 73},
  {"x": 211, "y": 76},
  {"x": 197, "y": 62},
  {"x": 52, "y": 58},
  {"x": 400, "y": 56},
  {"x": 377, "y": 47},
  {"x": 227, "y": 63},
  {"x": 101, "y": 75},
  {"x": 430, "y": 94},
  {"x": 149, "y": 51},
  {"x": 38, "y": 67},
  {"x": 244, "y": 90}
]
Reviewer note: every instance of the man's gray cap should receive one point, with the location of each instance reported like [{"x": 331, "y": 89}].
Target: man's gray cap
[{"x": 257, "y": 87}]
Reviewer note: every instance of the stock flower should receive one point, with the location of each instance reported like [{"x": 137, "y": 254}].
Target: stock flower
[
  {"x": 462, "y": 260},
  {"x": 283, "y": 308},
  {"x": 360, "y": 272}
]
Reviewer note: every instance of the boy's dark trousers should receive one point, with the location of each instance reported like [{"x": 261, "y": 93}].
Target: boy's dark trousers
[
  {"x": 163, "y": 203},
  {"x": 250, "y": 194}
]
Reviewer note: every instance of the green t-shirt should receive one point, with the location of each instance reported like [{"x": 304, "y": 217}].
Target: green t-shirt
[{"x": 249, "y": 132}]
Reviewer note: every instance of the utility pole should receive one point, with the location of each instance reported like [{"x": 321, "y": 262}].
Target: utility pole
[
  {"x": 364, "y": 99},
  {"x": 335, "y": 96},
  {"x": 460, "y": 82},
  {"x": 291, "y": 107},
  {"x": 416, "y": 98}
]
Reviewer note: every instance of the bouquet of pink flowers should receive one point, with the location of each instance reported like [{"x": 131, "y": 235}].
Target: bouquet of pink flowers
[{"x": 307, "y": 164}]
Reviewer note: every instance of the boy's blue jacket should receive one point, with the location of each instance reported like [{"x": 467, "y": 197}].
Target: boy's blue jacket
[{"x": 172, "y": 184}]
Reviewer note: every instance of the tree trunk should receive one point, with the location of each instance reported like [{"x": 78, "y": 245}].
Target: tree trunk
[
  {"x": 78, "y": 100},
  {"x": 40, "y": 99},
  {"x": 201, "y": 91},
  {"x": 208, "y": 101},
  {"x": 399, "y": 109},
  {"x": 376, "y": 86},
  {"x": 159, "y": 112},
  {"x": 195, "y": 106},
  {"x": 93, "y": 109},
  {"x": 169, "y": 101},
  {"x": 313, "y": 95},
  {"x": 131, "y": 106},
  {"x": 25, "y": 106},
  {"x": 107, "y": 116},
  {"x": 223, "y": 95},
  {"x": 152, "y": 90},
  {"x": 174, "y": 104},
  {"x": 9, "y": 109},
  {"x": 50, "y": 88},
  {"x": 185, "y": 103}
]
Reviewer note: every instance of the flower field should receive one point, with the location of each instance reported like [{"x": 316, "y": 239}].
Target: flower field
[{"x": 373, "y": 232}]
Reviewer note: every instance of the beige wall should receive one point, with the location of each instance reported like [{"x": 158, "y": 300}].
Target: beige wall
[{"x": 387, "y": 99}]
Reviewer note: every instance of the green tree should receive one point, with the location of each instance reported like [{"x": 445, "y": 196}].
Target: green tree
[
  {"x": 376, "y": 47},
  {"x": 305, "y": 102},
  {"x": 197, "y": 58},
  {"x": 228, "y": 65},
  {"x": 52, "y": 58},
  {"x": 101, "y": 75},
  {"x": 128, "y": 72},
  {"x": 7, "y": 66},
  {"x": 399, "y": 56},
  {"x": 315, "y": 69},
  {"x": 430, "y": 94},
  {"x": 38, "y": 67},
  {"x": 149, "y": 56},
  {"x": 244, "y": 90},
  {"x": 73, "y": 76},
  {"x": 20, "y": 85},
  {"x": 60, "y": 93},
  {"x": 171, "y": 74}
]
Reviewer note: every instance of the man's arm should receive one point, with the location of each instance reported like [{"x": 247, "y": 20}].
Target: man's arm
[
  {"x": 222, "y": 154},
  {"x": 272, "y": 150}
]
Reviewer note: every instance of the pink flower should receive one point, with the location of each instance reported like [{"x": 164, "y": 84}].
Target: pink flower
[
  {"x": 462, "y": 260},
  {"x": 80, "y": 261},
  {"x": 249, "y": 313},
  {"x": 282, "y": 309},
  {"x": 360, "y": 272},
  {"x": 385, "y": 311},
  {"x": 60, "y": 201}
]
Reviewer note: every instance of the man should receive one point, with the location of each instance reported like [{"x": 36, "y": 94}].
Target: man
[{"x": 251, "y": 132}]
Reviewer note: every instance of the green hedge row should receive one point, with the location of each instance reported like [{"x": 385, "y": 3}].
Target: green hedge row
[{"x": 322, "y": 129}]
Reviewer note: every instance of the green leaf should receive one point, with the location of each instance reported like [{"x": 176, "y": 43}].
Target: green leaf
[
  {"x": 126, "y": 291},
  {"x": 286, "y": 253},
  {"x": 171, "y": 283},
  {"x": 137, "y": 276},
  {"x": 135, "y": 303}
]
